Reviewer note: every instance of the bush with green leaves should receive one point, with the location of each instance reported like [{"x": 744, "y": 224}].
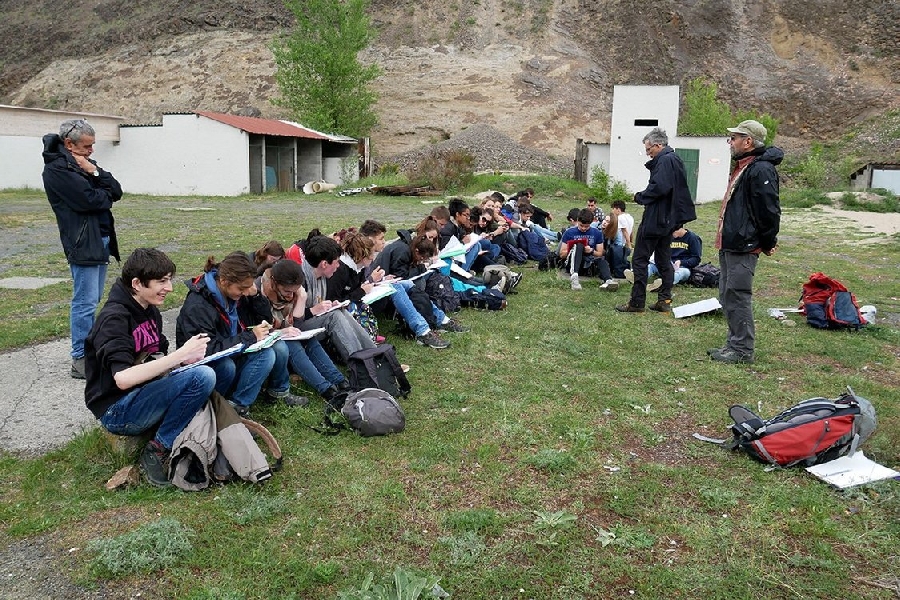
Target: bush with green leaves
[
  {"x": 443, "y": 170},
  {"x": 704, "y": 114},
  {"x": 150, "y": 547},
  {"x": 606, "y": 188}
]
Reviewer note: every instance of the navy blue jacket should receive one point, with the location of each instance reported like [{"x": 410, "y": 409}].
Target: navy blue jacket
[
  {"x": 82, "y": 204},
  {"x": 667, "y": 200}
]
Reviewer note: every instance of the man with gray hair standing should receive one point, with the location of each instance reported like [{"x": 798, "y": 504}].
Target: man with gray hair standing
[
  {"x": 81, "y": 195},
  {"x": 667, "y": 206},
  {"x": 748, "y": 224}
]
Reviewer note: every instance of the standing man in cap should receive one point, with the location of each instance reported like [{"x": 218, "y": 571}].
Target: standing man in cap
[
  {"x": 748, "y": 224},
  {"x": 667, "y": 206},
  {"x": 81, "y": 194}
]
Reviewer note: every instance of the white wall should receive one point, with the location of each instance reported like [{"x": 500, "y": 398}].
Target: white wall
[
  {"x": 632, "y": 102},
  {"x": 715, "y": 163},
  {"x": 186, "y": 155},
  {"x": 888, "y": 179},
  {"x": 597, "y": 155}
]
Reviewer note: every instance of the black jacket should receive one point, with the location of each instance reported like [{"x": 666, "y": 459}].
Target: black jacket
[
  {"x": 396, "y": 258},
  {"x": 82, "y": 205},
  {"x": 346, "y": 284},
  {"x": 201, "y": 313},
  {"x": 753, "y": 213},
  {"x": 124, "y": 334},
  {"x": 667, "y": 200}
]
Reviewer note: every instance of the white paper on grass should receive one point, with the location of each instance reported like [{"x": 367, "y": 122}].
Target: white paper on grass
[
  {"x": 849, "y": 471},
  {"x": 696, "y": 308}
]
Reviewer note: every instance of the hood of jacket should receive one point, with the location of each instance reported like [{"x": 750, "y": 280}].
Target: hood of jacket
[
  {"x": 54, "y": 148},
  {"x": 771, "y": 154}
]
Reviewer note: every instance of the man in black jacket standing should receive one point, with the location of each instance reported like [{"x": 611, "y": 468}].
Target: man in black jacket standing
[
  {"x": 81, "y": 194},
  {"x": 667, "y": 206},
  {"x": 748, "y": 224}
]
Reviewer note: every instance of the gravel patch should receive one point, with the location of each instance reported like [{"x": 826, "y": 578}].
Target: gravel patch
[{"x": 492, "y": 150}]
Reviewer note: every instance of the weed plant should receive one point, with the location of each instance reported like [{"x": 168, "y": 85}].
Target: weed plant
[{"x": 548, "y": 452}]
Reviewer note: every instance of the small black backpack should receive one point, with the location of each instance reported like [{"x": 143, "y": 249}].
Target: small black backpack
[
  {"x": 378, "y": 368},
  {"x": 705, "y": 275},
  {"x": 439, "y": 288}
]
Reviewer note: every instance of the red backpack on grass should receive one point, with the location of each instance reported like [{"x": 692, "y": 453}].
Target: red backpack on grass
[{"x": 827, "y": 304}]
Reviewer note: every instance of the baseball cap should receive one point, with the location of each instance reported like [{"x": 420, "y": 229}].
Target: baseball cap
[{"x": 752, "y": 128}]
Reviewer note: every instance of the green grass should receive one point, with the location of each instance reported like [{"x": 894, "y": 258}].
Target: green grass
[{"x": 548, "y": 450}]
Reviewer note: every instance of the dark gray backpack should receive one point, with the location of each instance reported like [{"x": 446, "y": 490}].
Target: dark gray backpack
[{"x": 373, "y": 412}]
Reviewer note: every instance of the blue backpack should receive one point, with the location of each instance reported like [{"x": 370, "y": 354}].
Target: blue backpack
[{"x": 533, "y": 245}]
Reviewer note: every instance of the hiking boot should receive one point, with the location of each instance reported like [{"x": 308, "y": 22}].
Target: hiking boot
[
  {"x": 711, "y": 350},
  {"x": 289, "y": 398},
  {"x": 661, "y": 306},
  {"x": 452, "y": 326},
  {"x": 729, "y": 356},
  {"x": 77, "y": 371},
  {"x": 242, "y": 411},
  {"x": 432, "y": 340},
  {"x": 576, "y": 283},
  {"x": 629, "y": 275},
  {"x": 629, "y": 308},
  {"x": 154, "y": 464},
  {"x": 610, "y": 285},
  {"x": 654, "y": 285}
]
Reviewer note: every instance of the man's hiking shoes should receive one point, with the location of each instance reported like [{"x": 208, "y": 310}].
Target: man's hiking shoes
[
  {"x": 661, "y": 306},
  {"x": 77, "y": 368},
  {"x": 729, "y": 356},
  {"x": 155, "y": 464},
  {"x": 432, "y": 340},
  {"x": 629, "y": 308},
  {"x": 453, "y": 326}
]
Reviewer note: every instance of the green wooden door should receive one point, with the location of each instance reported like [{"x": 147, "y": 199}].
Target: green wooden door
[{"x": 691, "y": 160}]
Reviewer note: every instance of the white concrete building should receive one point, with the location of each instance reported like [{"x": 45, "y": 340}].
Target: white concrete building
[
  {"x": 202, "y": 153},
  {"x": 636, "y": 110}
]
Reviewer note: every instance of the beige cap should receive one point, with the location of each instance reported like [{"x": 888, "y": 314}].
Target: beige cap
[{"x": 752, "y": 128}]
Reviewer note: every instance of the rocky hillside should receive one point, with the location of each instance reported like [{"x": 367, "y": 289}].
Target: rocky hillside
[{"x": 539, "y": 71}]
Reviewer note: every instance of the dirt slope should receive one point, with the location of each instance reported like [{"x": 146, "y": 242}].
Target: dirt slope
[{"x": 540, "y": 71}]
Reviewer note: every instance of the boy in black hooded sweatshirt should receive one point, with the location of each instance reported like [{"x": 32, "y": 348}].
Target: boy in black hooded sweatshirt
[{"x": 126, "y": 363}]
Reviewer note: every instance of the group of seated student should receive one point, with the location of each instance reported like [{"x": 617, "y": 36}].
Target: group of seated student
[
  {"x": 583, "y": 250},
  {"x": 241, "y": 298}
]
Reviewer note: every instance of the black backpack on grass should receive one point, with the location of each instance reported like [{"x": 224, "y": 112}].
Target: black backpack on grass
[
  {"x": 378, "y": 368},
  {"x": 705, "y": 275}
]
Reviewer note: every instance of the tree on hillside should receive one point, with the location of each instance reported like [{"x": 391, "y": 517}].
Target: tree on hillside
[
  {"x": 318, "y": 73},
  {"x": 704, "y": 114}
]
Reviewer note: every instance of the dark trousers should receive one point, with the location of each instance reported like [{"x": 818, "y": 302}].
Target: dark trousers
[
  {"x": 644, "y": 246},
  {"x": 735, "y": 295}
]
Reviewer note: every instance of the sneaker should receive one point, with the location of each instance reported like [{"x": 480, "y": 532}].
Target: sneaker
[
  {"x": 629, "y": 308},
  {"x": 514, "y": 280},
  {"x": 629, "y": 275},
  {"x": 729, "y": 356},
  {"x": 155, "y": 464},
  {"x": 242, "y": 411},
  {"x": 289, "y": 398},
  {"x": 77, "y": 371},
  {"x": 610, "y": 285},
  {"x": 432, "y": 340},
  {"x": 453, "y": 326},
  {"x": 661, "y": 306},
  {"x": 654, "y": 285},
  {"x": 710, "y": 351},
  {"x": 576, "y": 283}
]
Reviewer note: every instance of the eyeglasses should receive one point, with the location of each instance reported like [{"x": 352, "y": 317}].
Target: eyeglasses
[{"x": 76, "y": 124}]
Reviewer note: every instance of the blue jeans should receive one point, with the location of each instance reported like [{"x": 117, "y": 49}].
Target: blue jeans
[
  {"x": 406, "y": 309},
  {"x": 170, "y": 402},
  {"x": 547, "y": 234},
  {"x": 89, "y": 281},
  {"x": 241, "y": 376},
  {"x": 681, "y": 273},
  {"x": 310, "y": 361}
]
